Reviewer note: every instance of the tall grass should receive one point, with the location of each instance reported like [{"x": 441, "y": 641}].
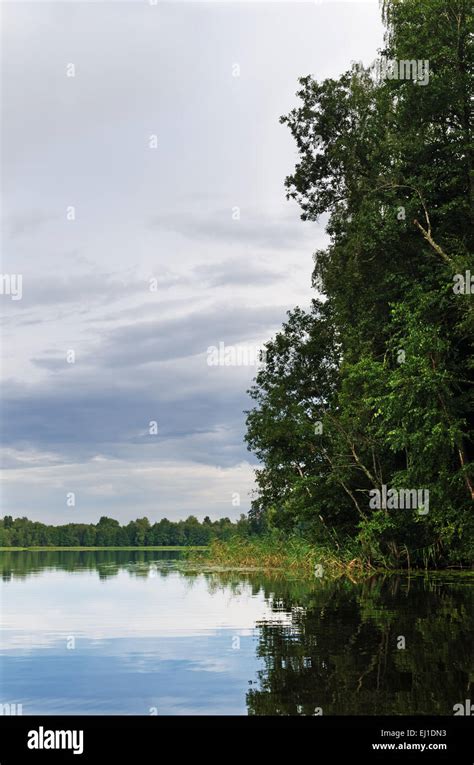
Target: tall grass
[{"x": 293, "y": 555}]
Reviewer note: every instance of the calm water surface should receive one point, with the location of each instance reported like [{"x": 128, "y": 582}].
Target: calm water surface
[{"x": 138, "y": 633}]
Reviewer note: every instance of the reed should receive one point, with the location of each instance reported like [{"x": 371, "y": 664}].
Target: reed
[{"x": 292, "y": 555}]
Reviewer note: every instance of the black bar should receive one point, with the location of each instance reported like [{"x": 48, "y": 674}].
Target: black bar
[{"x": 135, "y": 739}]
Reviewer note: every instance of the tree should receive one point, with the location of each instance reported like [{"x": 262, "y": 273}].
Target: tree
[
  {"x": 107, "y": 532},
  {"x": 374, "y": 385}
]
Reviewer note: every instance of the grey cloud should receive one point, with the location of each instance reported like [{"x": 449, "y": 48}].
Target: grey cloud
[
  {"x": 26, "y": 223},
  {"x": 238, "y": 271},
  {"x": 82, "y": 289},
  {"x": 187, "y": 335},
  {"x": 149, "y": 342},
  {"x": 254, "y": 230},
  {"x": 114, "y": 422}
]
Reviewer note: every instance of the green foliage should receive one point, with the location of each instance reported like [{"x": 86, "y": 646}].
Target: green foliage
[
  {"x": 22, "y": 532},
  {"x": 374, "y": 385}
]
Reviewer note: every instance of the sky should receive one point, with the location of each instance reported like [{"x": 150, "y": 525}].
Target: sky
[{"x": 143, "y": 206}]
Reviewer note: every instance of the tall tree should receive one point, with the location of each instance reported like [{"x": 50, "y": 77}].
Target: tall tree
[{"x": 374, "y": 386}]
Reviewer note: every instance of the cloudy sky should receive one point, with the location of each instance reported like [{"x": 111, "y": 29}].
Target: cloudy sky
[{"x": 139, "y": 258}]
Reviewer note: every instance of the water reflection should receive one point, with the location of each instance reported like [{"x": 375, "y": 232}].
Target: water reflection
[
  {"x": 152, "y": 634},
  {"x": 388, "y": 646}
]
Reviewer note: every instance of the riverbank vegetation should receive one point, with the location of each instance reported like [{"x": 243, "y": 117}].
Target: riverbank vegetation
[
  {"x": 291, "y": 556},
  {"x": 299, "y": 556}
]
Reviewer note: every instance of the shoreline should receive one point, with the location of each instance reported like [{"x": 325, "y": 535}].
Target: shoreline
[
  {"x": 296, "y": 557},
  {"x": 54, "y": 548},
  {"x": 302, "y": 562}
]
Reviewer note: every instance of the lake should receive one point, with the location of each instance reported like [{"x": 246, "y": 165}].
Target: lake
[{"x": 141, "y": 632}]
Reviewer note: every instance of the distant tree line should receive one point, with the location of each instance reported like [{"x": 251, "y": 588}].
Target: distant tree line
[{"x": 21, "y": 532}]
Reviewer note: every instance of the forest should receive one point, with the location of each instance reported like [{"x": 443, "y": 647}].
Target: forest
[
  {"x": 372, "y": 388},
  {"x": 21, "y": 532}
]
